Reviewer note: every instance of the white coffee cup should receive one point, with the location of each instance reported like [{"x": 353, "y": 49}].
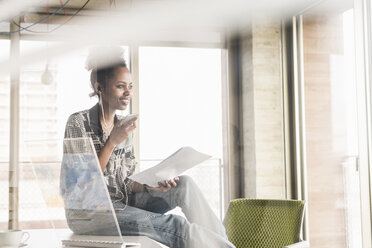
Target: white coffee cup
[{"x": 13, "y": 238}]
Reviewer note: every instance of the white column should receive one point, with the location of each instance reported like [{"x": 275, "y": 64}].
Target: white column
[{"x": 14, "y": 127}]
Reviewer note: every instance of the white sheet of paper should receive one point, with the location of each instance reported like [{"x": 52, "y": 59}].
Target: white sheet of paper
[{"x": 173, "y": 166}]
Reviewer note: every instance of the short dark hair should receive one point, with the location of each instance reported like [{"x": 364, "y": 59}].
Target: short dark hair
[{"x": 102, "y": 62}]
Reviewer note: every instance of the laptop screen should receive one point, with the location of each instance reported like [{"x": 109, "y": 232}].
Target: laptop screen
[
  {"x": 78, "y": 188},
  {"x": 81, "y": 178}
]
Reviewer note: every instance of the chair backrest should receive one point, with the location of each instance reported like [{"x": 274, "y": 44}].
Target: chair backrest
[{"x": 264, "y": 223}]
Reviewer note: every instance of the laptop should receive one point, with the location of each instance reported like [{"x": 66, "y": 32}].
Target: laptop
[{"x": 77, "y": 187}]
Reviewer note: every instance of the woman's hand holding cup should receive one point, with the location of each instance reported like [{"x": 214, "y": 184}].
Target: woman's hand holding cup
[{"x": 120, "y": 132}]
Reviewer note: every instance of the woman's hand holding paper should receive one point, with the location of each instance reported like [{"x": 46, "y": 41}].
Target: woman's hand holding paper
[{"x": 164, "y": 186}]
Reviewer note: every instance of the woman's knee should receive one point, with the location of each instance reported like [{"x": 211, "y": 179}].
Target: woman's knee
[
  {"x": 185, "y": 186},
  {"x": 185, "y": 181}
]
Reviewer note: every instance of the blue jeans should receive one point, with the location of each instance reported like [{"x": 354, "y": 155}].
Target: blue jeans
[{"x": 145, "y": 215}]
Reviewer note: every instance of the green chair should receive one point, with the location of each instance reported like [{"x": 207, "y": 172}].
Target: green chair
[{"x": 255, "y": 223}]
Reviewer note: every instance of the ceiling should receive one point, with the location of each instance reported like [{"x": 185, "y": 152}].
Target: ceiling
[
  {"x": 52, "y": 16},
  {"x": 82, "y": 23}
]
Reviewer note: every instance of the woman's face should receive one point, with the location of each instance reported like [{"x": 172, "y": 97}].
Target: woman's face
[{"x": 118, "y": 89}]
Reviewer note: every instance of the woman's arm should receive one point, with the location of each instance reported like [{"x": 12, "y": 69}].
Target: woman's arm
[
  {"x": 137, "y": 187},
  {"x": 118, "y": 134},
  {"x": 105, "y": 154}
]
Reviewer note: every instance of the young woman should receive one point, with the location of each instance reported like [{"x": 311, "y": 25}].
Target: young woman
[{"x": 140, "y": 209}]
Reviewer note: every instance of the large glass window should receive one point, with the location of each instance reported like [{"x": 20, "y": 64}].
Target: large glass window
[
  {"x": 181, "y": 105},
  {"x": 331, "y": 129}
]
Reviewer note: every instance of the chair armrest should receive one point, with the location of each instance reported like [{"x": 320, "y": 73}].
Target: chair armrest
[{"x": 301, "y": 244}]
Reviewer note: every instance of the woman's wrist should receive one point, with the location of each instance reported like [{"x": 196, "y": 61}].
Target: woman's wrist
[
  {"x": 145, "y": 188},
  {"x": 110, "y": 143},
  {"x": 138, "y": 187}
]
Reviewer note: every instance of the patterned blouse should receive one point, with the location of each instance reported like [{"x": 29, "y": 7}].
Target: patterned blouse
[{"x": 122, "y": 161}]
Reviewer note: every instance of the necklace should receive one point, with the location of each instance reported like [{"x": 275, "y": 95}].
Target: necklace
[{"x": 107, "y": 129}]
